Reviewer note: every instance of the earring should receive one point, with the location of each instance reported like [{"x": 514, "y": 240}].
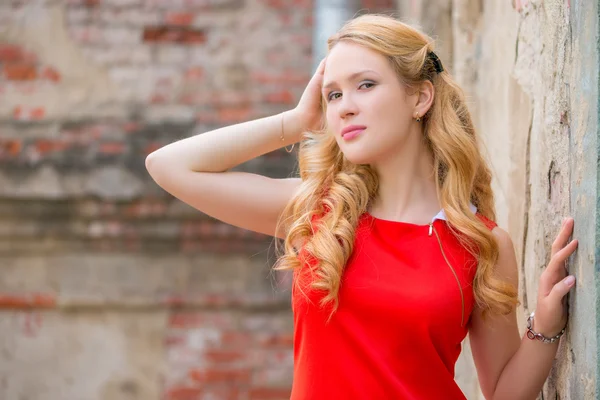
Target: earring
[{"x": 417, "y": 117}]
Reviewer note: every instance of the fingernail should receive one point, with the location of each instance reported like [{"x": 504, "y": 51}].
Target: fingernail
[{"x": 569, "y": 280}]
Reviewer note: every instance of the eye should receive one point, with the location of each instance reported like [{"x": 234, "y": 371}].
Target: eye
[{"x": 329, "y": 96}]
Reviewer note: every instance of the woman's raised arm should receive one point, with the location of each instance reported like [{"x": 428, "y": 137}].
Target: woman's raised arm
[{"x": 195, "y": 169}]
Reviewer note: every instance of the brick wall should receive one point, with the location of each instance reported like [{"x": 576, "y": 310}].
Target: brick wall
[{"x": 109, "y": 288}]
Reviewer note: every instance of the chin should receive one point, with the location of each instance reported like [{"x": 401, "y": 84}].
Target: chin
[{"x": 358, "y": 157}]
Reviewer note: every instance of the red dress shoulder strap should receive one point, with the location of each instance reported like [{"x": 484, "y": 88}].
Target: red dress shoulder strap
[{"x": 488, "y": 222}]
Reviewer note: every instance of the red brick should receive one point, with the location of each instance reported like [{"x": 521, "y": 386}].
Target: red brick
[
  {"x": 185, "y": 320},
  {"x": 224, "y": 356},
  {"x": 180, "y": 18},
  {"x": 112, "y": 148},
  {"x": 38, "y": 113},
  {"x": 34, "y": 300},
  {"x": 144, "y": 208},
  {"x": 194, "y": 73},
  {"x": 287, "y": 77},
  {"x": 214, "y": 299},
  {"x": 191, "y": 99},
  {"x": 377, "y": 5},
  {"x": 12, "y": 53},
  {"x": 28, "y": 113},
  {"x": 157, "y": 98},
  {"x": 172, "y": 34},
  {"x": 282, "y": 97},
  {"x": 183, "y": 393},
  {"x": 130, "y": 127},
  {"x": 194, "y": 37},
  {"x": 280, "y": 339},
  {"x": 20, "y": 71},
  {"x": 231, "y": 339},
  {"x": 51, "y": 74},
  {"x": 11, "y": 147},
  {"x": 18, "y": 112},
  {"x": 267, "y": 393},
  {"x": 229, "y": 376},
  {"x": 302, "y": 4},
  {"x": 277, "y": 4},
  {"x": 155, "y": 34},
  {"x": 175, "y": 340},
  {"x": 174, "y": 301},
  {"x": 45, "y": 146}
]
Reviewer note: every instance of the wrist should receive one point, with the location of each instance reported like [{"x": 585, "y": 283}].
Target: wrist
[
  {"x": 542, "y": 334},
  {"x": 292, "y": 126}
]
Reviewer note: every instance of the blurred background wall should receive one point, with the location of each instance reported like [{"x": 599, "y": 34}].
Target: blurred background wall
[{"x": 110, "y": 289}]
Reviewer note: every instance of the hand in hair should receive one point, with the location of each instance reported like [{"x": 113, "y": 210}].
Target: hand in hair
[{"x": 308, "y": 114}]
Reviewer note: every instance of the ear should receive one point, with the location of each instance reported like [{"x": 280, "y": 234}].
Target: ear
[{"x": 424, "y": 97}]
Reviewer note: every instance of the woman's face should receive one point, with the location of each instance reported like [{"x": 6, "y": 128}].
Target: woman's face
[{"x": 361, "y": 89}]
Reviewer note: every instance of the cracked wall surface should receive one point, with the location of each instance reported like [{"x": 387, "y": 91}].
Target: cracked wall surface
[{"x": 530, "y": 70}]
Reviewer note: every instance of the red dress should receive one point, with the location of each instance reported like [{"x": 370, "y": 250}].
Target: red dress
[{"x": 401, "y": 319}]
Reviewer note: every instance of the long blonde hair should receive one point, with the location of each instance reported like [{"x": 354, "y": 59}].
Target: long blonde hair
[{"x": 323, "y": 215}]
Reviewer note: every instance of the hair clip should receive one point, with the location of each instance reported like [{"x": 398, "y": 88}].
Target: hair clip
[{"x": 436, "y": 62}]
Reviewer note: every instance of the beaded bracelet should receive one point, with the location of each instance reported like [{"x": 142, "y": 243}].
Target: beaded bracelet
[{"x": 533, "y": 335}]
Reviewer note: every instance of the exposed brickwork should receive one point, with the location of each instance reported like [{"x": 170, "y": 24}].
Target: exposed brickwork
[
  {"x": 151, "y": 225},
  {"x": 34, "y": 300},
  {"x": 245, "y": 358},
  {"x": 86, "y": 231}
]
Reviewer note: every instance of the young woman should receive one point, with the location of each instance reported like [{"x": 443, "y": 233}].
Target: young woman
[{"x": 389, "y": 230}]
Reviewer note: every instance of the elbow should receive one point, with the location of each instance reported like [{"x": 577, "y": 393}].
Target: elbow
[
  {"x": 150, "y": 163},
  {"x": 156, "y": 166}
]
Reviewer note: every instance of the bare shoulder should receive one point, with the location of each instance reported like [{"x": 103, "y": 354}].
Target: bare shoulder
[{"x": 506, "y": 266}]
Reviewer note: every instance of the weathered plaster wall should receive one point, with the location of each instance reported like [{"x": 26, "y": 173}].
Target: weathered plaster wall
[
  {"x": 110, "y": 289},
  {"x": 530, "y": 70}
]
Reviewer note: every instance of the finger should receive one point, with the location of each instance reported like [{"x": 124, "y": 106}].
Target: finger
[
  {"x": 558, "y": 260},
  {"x": 559, "y": 290},
  {"x": 317, "y": 78},
  {"x": 563, "y": 235},
  {"x": 556, "y": 270},
  {"x": 320, "y": 69},
  {"x": 549, "y": 277}
]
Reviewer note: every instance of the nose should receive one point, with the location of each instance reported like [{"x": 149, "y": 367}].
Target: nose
[{"x": 347, "y": 106}]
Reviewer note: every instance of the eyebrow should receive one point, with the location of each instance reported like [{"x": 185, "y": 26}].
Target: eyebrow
[{"x": 352, "y": 76}]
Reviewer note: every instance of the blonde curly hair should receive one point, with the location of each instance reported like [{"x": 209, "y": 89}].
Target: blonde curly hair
[{"x": 322, "y": 217}]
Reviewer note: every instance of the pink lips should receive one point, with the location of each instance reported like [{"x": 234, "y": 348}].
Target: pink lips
[{"x": 352, "y": 131}]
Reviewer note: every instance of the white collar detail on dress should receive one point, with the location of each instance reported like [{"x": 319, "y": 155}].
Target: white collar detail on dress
[{"x": 442, "y": 214}]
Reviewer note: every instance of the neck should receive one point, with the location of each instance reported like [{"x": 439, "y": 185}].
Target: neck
[{"x": 407, "y": 187}]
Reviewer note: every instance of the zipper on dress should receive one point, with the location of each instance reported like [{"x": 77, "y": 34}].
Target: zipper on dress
[{"x": 462, "y": 296}]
